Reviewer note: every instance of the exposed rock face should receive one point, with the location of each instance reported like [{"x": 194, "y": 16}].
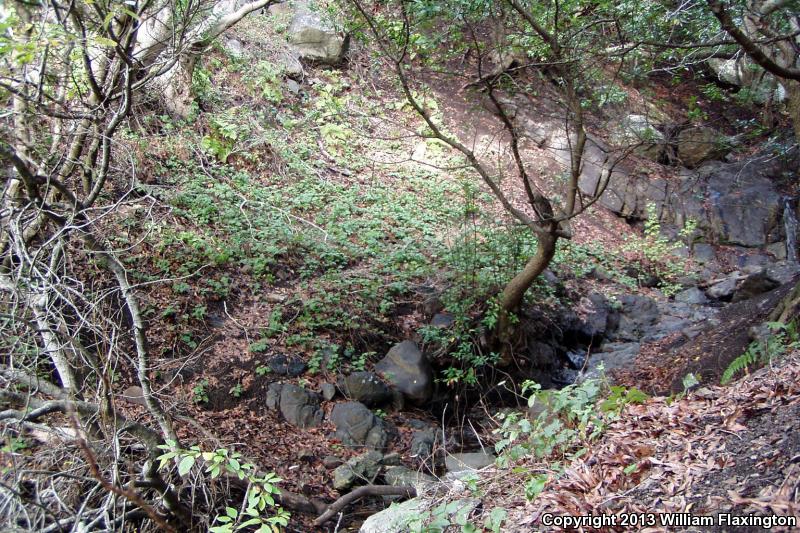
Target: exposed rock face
[
  {"x": 298, "y": 406},
  {"x": 311, "y": 35},
  {"x": 637, "y": 315},
  {"x": 692, "y": 295},
  {"x": 360, "y": 470},
  {"x": 700, "y": 144},
  {"x": 736, "y": 203},
  {"x": 642, "y": 131},
  {"x": 743, "y": 73},
  {"x": 358, "y": 426},
  {"x": 407, "y": 369},
  {"x": 594, "y": 312},
  {"x": 364, "y": 387},
  {"x": 733, "y": 203}
]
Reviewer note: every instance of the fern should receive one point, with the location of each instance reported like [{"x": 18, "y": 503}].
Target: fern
[
  {"x": 751, "y": 356},
  {"x": 782, "y": 338}
]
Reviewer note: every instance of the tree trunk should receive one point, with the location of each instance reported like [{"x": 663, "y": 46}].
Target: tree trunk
[
  {"x": 793, "y": 105},
  {"x": 515, "y": 290}
]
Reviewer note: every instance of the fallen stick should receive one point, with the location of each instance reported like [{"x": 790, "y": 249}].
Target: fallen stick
[{"x": 360, "y": 492}]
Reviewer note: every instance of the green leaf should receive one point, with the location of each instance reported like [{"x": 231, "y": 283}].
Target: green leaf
[
  {"x": 185, "y": 465},
  {"x": 230, "y": 511}
]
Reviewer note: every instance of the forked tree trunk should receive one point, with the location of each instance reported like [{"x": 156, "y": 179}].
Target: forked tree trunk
[{"x": 515, "y": 290}]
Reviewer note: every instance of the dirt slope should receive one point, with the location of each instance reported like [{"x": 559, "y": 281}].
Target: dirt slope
[{"x": 719, "y": 450}]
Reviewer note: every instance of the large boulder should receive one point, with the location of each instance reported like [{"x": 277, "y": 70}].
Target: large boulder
[
  {"x": 311, "y": 34},
  {"x": 400, "y": 476},
  {"x": 742, "y": 72},
  {"x": 699, "y": 144},
  {"x": 409, "y": 515},
  {"x": 364, "y": 387},
  {"x": 300, "y": 407},
  {"x": 407, "y": 369},
  {"x": 358, "y": 426}
]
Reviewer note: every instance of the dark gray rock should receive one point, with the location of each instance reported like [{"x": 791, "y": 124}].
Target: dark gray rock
[
  {"x": 361, "y": 470},
  {"x": 724, "y": 289},
  {"x": 594, "y": 311},
  {"x": 459, "y": 462},
  {"x": 703, "y": 253},
  {"x": 331, "y": 461},
  {"x": 783, "y": 272},
  {"x": 637, "y": 315},
  {"x": 300, "y": 407},
  {"x": 364, "y": 387},
  {"x": 284, "y": 365},
  {"x": 753, "y": 285},
  {"x": 614, "y": 355},
  {"x": 778, "y": 250},
  {"x": 422, "y": 443},
  {"x": 443, "y": 320},
  {"x": 358, "y": 426},
  {"x": 328, "y": 391},
  {"x": 407, "y": 369},
  {"x": 692, "y": 295}
]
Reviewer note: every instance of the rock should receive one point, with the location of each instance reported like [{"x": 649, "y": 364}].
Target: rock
[
  {"x": 724, "y": 289},
  {"x": 443, "y": 320},
  {"x": 692, "y": 295},
  {"x": 328, "y": 391},
  {"x": 234, "y": 47},
  {"x": 783, "y": 272},
  {"x": 698, "y": 144},
  {"x": 640, "y": 130},
  {"x": 392, "y": 459},
  {"x": 593, "y": 310},
  {"x": 408, "y": 516},
  {"x": 331, "y": 461},
  {"x": 292, "y": 86},
  {"x": 364, "y": 387},
  {"x": 313, "y": 37},
  {"x": 283, "y": 365},
  {"x": 614, "y": 355},
  {"x": 459, "y": 462},
  {"x": 274, "y": 395},
  {"x": 742, "y": 72},
  {"x": 300, "y": 407},
  {"x": 541, "y": 355},
  {"x": 362, "y": 469},
  {"x": 638, "y": 313},
  {"x": 703, "y": 253},
  {"x": 358, "y": 426},
  {"x": 407, "y": 369},
  {"x": 399, "y": 476},
  {"x": 733, "y": 203},
  {"x": 753, "y": 285},
  {"x": 778, "y": 250},
  {"x": 290, "y": 65},
  {"x": 134, "y": 395},
  {"x": 422, "y": 443}
]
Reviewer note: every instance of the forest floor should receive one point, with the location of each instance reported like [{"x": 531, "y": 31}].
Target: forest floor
[{"x": 718, "y": 450}]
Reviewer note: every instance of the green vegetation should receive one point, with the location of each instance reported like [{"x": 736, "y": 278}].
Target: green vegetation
[
  {"x": 782, "y": 339},
  {"x": 259, "y": 511}
]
